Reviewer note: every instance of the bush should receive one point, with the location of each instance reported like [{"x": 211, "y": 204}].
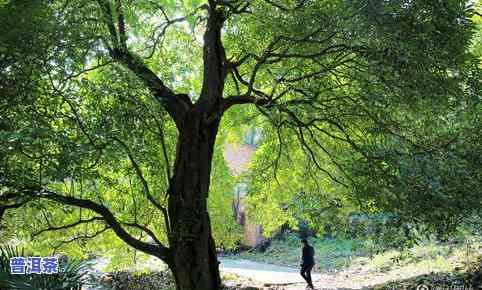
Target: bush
[{"x": 126, "y": 280}]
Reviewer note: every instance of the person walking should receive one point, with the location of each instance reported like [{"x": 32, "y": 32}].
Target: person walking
[{"x": 307, "y": 262}]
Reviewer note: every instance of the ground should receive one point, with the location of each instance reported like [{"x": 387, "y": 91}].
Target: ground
[
  {"x": 345, "y": 265},
  {"x": 270, "y": 276},
  {"x": 350, "y": 264}
]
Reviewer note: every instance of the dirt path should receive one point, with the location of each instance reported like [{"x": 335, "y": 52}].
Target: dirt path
[
  {"x": 280, "y": 277},
  {"x": 286, "y": 277},
  {"x": 263, "y": 273}
]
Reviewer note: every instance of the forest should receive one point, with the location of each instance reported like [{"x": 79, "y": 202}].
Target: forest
[{"x": 203, "y": 138}]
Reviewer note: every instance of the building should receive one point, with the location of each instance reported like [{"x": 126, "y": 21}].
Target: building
[{"x": 237, "y": 157}]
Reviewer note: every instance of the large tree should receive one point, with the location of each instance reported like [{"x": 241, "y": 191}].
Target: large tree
[{"x": 113, "y": 107}]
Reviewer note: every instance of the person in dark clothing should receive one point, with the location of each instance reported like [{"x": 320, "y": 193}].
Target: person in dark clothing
[{"x": 307, "y": 262}]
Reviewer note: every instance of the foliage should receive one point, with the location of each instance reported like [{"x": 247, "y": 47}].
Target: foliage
[
  {"x": 365, "y": 262},
  {"x": 369, "y": 106},
  {"x": 330, "y": 254},
  {"x": 225, "y": 229},
  {"x": 87, "y": 158},
  {"x": 294, "y": 193},
  {"x": 398, "y": 135}
]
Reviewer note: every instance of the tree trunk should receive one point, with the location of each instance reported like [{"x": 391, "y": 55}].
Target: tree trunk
[{"x": 193, "y": 253}]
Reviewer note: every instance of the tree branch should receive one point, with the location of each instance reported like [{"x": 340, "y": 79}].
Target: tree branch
[
  {"x": 145, "y": 185},
  {"x": 144, "y": 229},
  {"x": 79, "y": 222},
  {"x": 309, "y": 151},
  {"x": 159, "y": 251},
  {"x": 83, "y": 237},
  {"x": 176, "y": 104},
  {"x": 214, "y": 60},
  {"x": 121, "y": 24},
  {"x": 165, "y": 25}
]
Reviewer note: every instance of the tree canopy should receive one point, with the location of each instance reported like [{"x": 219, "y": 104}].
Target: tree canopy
[{"x": 112, "y": 113}]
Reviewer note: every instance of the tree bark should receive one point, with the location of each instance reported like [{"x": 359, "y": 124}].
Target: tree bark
[{"x": 193, "y": 258}]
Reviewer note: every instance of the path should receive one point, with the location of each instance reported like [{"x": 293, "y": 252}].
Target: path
[
  {"x": 287, "y": 278},
  {"x": 290, "y": 278},
  {"x": 263, "y": 273}
]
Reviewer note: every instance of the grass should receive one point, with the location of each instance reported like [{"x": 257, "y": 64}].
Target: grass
[
  {"x": 426, "y": 257},
  {"x": 331, "y": 254},
  {"x": 342, "y": 254}
]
